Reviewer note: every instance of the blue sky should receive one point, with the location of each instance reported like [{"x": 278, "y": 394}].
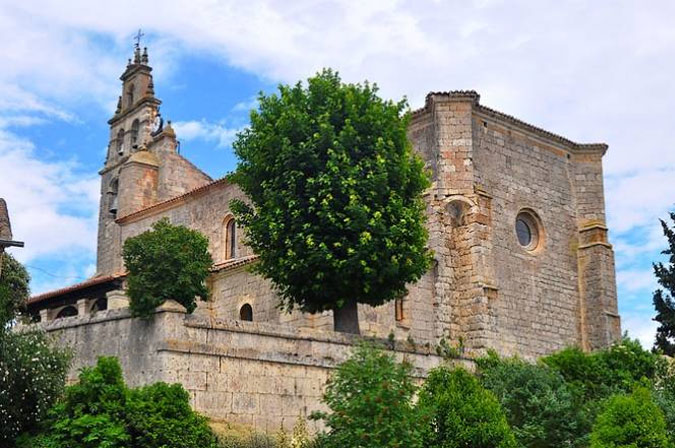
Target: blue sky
[{"x": 591, "y": 71}]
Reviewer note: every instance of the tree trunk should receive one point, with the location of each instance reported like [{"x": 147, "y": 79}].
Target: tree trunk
[{"x": 346, "y": 319}]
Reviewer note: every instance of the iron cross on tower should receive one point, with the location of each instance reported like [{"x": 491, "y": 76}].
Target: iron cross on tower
[{"x": 137, "y": 38}]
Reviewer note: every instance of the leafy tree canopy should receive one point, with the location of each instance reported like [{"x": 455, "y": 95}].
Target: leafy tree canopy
[
  {"x": 664, "y": 299},
  {"x": 335, "y": 214},
  {"x": 14, "y": 290},
  {"x": 461, "y": 413},
  {"x": 32, "y": 378},
  {"x": 167, "y": 262},
  {"x": 369, "y": 397},
  {"x": 630, "y": 421},
  {"x": 540, "y": 407}
]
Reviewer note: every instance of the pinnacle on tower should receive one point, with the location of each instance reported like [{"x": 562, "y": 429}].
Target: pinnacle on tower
[
  {"x": 144, "y": 57},
  {"x": 137, "y": 55}
]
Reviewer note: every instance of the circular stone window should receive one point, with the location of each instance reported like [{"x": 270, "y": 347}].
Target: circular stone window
[{"x": 527, "y": 230}]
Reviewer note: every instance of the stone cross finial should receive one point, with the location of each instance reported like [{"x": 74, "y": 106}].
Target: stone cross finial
[
  {"x": 5, "y": 228},
  {"x": 137, "y": 38}
]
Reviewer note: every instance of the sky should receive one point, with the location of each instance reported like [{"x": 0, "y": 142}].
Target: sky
[{"x": 597, "y": 71}]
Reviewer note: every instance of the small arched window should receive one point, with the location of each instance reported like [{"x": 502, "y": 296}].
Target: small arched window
[
  {"x": 112, "y": 199},
  {"x": 120, "y": 142},
  {"x": 134, "y": 133},
  {"x": 398, "y": 310},
  {"x": 246, "y": 312},
  {"x": 100, "y": 305},
  {"x": 130, "y": 96},
  {"x": 68, "y": 311},
  {"x": 230, "y": 238}
]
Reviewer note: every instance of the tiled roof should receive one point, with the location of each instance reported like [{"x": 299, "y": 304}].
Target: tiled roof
[
  {"x": 233, "y": 263},
  {"x": 76, "y": 287},
  {"x": 229, "y": 264},
  {"x": 159, "y": 205}
]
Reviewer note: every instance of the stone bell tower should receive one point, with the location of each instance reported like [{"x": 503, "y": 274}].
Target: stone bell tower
[{"x": 129, "y": 175}]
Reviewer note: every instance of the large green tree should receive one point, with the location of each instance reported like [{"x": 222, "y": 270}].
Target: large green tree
[
  {"x": 167, "y": 262},
  {"x": 336, "y": 212},
  {"x": 14, "y": 288},
  {"x": 664, "y": 301}
]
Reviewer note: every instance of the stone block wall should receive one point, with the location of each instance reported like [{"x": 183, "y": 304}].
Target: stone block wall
[
  {"x": 537, "y": 303},
  {"x": 262, "y": 375}
]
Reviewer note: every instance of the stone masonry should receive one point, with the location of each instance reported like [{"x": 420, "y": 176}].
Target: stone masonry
[{"x": 516, "y": 222}]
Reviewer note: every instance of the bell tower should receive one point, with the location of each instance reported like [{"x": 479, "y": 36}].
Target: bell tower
[{"x": 132, "y": 127}]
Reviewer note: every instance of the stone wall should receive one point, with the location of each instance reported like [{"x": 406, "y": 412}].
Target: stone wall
[
  {"x": 537, "y": 305},
  {"x": 258, "y": 374},
  {"x": 485, "y": 290}
]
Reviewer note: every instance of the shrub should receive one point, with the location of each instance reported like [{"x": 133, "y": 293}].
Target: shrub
[
  {"x": 32, "y": 373},
  {"x": 541, "y": 409},
  {"x": 605, "y": 372},
  {"x": 369, "y": 397},
  {"x": 459, "y": 412},
  {"x": 14, "y": 289},
  {"x": 100, "y": 411},
  {"x": 159, "y": 415},
  {"x": 32, "y": 378},
  {"x": 167, "y": 262},
  {"x": 631, "y": 421}
]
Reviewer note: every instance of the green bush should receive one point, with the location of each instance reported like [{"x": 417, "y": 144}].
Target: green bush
[
  {"x": 14, "y": 289},
  {"x": 369, "y": 397},
  {"x": 604, "y": 372},
  {"x": 167, "y": 262},
  {"x": 101, "y": 412},
  {"x": 32, "y": 372},
  {"x": 459, "y": 412},
  {"x": 630, "y": 421},
  {"x": 32, "y": 378},
  {"x": 540, "y": 407},
  {"x": 160, "y": 415}
]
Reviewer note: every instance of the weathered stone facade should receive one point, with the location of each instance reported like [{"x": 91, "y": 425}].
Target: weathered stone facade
[{"x": 516, "y": 222}]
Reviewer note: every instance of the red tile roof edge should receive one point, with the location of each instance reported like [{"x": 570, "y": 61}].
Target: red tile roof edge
[
  {"x": 76, "y": 287},
  {"x": 222, "y": 180},
  {"x": 235, "y": 262}
]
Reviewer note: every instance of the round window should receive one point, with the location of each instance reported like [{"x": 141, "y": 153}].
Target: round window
[{"x": 527, "y": 230}]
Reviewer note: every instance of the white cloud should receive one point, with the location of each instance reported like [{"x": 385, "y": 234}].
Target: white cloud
[
  {"x": 592, "y": 71},
  {"x": 53, "y": 206},
  {"x": 642, "y": 328},
  {"x": 204, "y": 130},
  {"x": 246, "y": 106},
  {"x": 632, "y": 280}
]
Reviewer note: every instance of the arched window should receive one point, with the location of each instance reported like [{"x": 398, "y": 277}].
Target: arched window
[
  {"x": 130, "y": 96},
  {"x": 112, "y": 199},
  {"x": 120, "y": 142},
  {"x": 100, "y": 305},
  {"x": 230, "y": 238},
  {"x": 246, "y": 312},
  {"x": 134, "y": 133},
  {"x": 398, "y": 310},
  {"x": 68, "y": 311}
]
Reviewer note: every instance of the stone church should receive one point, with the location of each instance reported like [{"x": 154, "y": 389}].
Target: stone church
[{"x": 516, "y": 218}]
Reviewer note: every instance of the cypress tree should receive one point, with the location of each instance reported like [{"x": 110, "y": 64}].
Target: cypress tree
[{"x": 664, "y": 301}]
